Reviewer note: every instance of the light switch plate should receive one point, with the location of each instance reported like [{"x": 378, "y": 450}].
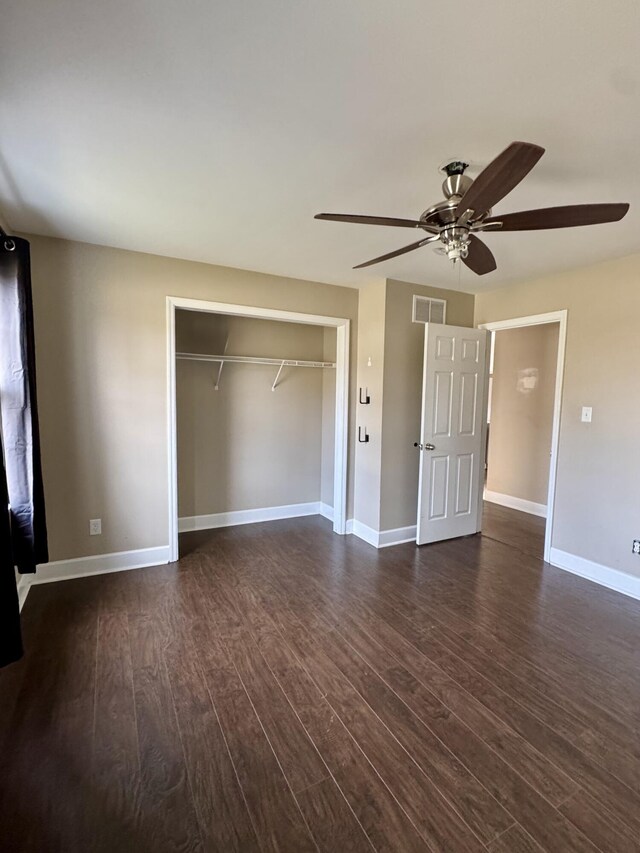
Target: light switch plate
[{"x": 586, "y": 414}]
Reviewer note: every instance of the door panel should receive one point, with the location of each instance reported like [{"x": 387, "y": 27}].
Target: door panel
[
  {"x": 464, "y": 484},
  {"x": 468, "y": 403},
  {"x": 470, "y": 350},
  {"x": 444, "y": 349},
  {"x": 439, "y": 487},
  {"x": 442, "y": 403},
  {"x": 452, "y": 434}
]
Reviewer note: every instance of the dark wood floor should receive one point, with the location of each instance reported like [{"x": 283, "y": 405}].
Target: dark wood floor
[
  {"x": 282, "y": 688},
  {"x": 523, "y": 531}
]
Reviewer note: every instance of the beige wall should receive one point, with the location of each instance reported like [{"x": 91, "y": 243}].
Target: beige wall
[
  {"x": 387, "y": 485},
  {"x": 370, "y": 375},
  {"x": 524, "y": 378},
  {"x": 101, "y": 335},
  {"x": 245, "y": 446},
  {"x": 100, "y": 318},
  {"x": 597, "y": 487},
  {"x": 403, "y": 356}
]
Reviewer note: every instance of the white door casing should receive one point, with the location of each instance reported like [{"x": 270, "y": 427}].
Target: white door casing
[
  {"x": 453, "y": 432},
  {"x": 562, "y": 318}
]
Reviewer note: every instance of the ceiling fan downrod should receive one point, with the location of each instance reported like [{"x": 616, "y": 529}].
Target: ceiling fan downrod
[
  {"x": 454, "y": 238},
  {"x": 456, "y": 183}
]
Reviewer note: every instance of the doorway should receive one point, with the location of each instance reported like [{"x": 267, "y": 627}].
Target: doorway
[
  {"x": 341, "y": 326},
  {"x": 523, "y": 424}
]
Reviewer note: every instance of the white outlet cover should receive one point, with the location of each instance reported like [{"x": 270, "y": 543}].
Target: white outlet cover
[
  {"x": 587, "y": 411},
  {"x": 95, "y": 526}
]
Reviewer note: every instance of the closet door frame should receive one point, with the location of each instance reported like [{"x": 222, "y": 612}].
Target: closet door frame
[{"x": 342, "y": 327}]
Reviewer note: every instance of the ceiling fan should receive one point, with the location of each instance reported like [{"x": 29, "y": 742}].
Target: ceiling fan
[{"x": 466, "y": 210}]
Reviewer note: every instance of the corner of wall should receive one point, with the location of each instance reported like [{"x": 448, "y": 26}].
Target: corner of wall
[
  {"x": 370, "y": 375},
  {"x": 387, "y": 476}
]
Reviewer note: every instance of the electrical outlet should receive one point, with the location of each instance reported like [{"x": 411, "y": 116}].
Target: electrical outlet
[
  {"x": 95, "y": 526},
  {"x": 636, "y": 546}
]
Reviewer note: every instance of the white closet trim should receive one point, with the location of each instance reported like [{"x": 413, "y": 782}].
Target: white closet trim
[{"x": 342, "y": 327}]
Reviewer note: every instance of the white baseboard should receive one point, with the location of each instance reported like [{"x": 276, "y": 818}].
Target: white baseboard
[
  {"x": 81, "y": 567},
  {"x": 325, "y": 510},
  {"x": 367, "y": 534},
  {"x": 144, "y": 557},
  {"x": 397, "y": 536},
  {"x": 384, "y": 538},
  {"x": 121, "y": 561},
  {"x": 248, "y": 516},
  {"x": 596, "y": 572},
  {"x": 516, "y": 503},
  {"x": 23, "y": 584},
  {"x": 251, "y": 516}
]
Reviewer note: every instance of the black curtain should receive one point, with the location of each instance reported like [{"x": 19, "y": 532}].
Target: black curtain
[
  {"x": 23, "y": 530},
  {"x": 10, "y": 638}
]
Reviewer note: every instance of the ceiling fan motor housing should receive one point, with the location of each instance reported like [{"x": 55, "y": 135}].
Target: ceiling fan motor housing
[{"x": 456, "y": 185}]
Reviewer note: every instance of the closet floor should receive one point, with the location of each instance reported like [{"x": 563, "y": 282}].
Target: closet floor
[{"x": 281, "y": 688}]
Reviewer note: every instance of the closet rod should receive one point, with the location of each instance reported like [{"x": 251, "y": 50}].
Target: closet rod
[{"x": 248, "y": 359}]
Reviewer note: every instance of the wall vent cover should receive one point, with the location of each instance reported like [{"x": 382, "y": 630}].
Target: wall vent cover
[{"x": 427, "y": 310}]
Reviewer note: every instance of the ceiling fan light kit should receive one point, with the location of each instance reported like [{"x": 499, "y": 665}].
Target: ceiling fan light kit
[{"x": 467, "y": 210}]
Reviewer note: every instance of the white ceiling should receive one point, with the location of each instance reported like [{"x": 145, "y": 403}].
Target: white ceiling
[{"x": 215, "y": 130}]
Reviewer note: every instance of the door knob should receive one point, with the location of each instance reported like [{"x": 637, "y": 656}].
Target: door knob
[{"x": 429, "y": 447}]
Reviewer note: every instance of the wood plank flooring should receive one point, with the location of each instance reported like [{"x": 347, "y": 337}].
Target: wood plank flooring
[
  {"x": 523, "y": 531},
  {"x": 284, "y": 689}
]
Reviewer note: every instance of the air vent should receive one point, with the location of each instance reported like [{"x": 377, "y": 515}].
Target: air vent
[{"x": 426, "y": 310}]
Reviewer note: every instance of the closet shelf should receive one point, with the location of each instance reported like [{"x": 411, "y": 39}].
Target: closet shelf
[
  {"x": 281, "y": 363},
  {"x": 250, "y": 359}
]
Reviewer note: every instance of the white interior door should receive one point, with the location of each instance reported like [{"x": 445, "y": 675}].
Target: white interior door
[{"x": 452, "y": 439}]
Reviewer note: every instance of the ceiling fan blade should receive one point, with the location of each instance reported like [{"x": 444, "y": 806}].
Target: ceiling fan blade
[
  {"x": 500, "y": 177},
  {"x": 480, "y": 258},
  {"x": 397, "y": 252},
  {"x": 559, "y": 217},
  {"x": 369, "y": 220}
]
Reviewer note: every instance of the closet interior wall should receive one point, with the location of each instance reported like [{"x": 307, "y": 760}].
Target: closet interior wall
[{"x": 244, "y": 446}]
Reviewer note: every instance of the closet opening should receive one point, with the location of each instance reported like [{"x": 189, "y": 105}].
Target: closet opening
[{"x": 257, "y": 416}]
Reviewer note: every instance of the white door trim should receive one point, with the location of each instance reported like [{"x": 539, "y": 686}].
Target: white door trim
[
  {"x": 342, "y": 327},
  {"x": 561, "y": 318}
]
